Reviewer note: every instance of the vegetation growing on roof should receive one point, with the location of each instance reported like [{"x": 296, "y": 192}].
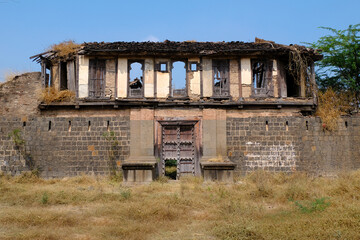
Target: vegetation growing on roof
[
  {"x": 65, "y": 48},
  {"x": 51, "y": 94}
]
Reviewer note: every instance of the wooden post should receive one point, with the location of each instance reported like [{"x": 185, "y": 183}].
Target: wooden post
[
  {"x": 43, "y": 74},
  {"x": 313, "y": 83},
  {"x": 302, "y": 83}
]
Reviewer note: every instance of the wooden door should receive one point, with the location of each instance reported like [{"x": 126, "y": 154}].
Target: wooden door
[{"x": 178, "y": 145}]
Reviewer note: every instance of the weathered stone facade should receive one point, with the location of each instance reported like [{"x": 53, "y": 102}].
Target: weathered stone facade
[{"x": 239, "y": 106}]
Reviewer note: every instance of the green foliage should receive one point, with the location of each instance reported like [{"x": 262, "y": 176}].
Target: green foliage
[
  {"x": 44, "y": 198},
  {"x": 15, "y": 135},
  {"x": 340, "y": 67},
  {"x": 318, "y": 205},
  {"x": 125, "y": 194}
]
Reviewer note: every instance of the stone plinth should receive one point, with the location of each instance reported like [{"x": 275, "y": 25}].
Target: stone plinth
[
  {"x": 135, "y": 172},
  {"x": 218, "y": 171}
]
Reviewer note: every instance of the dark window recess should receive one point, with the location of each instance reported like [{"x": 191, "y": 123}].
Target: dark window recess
[
  {"x": 49, "y": 126},
  {"x": 221, "y": 78},
  {"x": 291, "y": 79},
  {"x": 136, "y": 79},
  {"x": 262, "y": 85},
  {"x": 178, "y": 79},
  {"x": 63, "y": 76},
  {"x": 96, "y": 78}
]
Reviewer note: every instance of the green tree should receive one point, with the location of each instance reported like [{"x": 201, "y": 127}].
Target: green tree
[{"x": 340, "y": 67}]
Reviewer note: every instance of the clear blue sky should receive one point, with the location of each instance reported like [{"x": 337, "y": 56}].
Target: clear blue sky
[{"x": 29, "y": 27}]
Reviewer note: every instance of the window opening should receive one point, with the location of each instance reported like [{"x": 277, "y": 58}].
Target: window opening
[
  {"x": 24, "y": 124},
  {"x": 262, "y": 78},
  {"x": 287, "y": 126},
  {"x": 346, "y": 124},
  {"x": 49, "y": 126},
  {"x": 163, "y": 67},
  {"x": 136, "y": 79},
  {"x": 221, "y": 77},
  {"x": 89, "y": 126},
  {"x": 63, "y": 76},
  {"x": 69, "y": 129},
  {"x": 307, "y": 125},
  {"x": 193, "y": 66},
  {"x": 48, "y": 80},
  {"x": 178, "y": 79},
  {"x": 97, "y": 78},
  {"x": 108, "y": 126},
  {"x": 292, "y": 80}
]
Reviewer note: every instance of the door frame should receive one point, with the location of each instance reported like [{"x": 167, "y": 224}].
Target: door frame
[{"x": 166, "y": 121}]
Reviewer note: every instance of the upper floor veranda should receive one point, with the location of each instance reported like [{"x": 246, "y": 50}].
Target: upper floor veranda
[{"x": 227, "y": 73}]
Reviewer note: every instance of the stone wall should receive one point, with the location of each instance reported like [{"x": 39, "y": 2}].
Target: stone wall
[
  {"x": 65, "y": 146},
  {"x": 290, "y": 144},
  {"x": 20, "y": 96},
  {"x": 70, "y": 146}
]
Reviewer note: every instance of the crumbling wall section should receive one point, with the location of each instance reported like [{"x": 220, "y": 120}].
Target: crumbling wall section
[{"x": 19, "y": 97}]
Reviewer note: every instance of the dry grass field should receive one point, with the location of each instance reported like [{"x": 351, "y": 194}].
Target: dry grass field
[{"x": 258, "y": 206}]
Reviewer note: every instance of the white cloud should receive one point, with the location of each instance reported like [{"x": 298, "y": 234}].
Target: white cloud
[{"x": 152, "y": 38}]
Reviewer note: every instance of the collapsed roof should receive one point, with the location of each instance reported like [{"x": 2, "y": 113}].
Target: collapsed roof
[{"x": 186, "y": 48}]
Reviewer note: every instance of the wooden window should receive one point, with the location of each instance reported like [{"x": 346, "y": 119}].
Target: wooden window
[
  {"x": 221, "y": 78},
  {"x": 262, "y": 85},
  {"x": 96, "y": 78}
]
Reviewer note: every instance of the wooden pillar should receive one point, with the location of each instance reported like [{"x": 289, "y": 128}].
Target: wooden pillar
[
  {"x": 43, "y": 74},
  {"x": 302, "y": 83},
  {"x": 313, "y": 83}
]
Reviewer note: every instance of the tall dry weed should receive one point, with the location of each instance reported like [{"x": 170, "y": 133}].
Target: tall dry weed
[
  {"x": 51, "y": 94},
  {"x": 331, "y": 106}
]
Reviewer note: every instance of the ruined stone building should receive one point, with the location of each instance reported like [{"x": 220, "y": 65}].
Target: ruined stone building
[{"x": 207, "y": 108}]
